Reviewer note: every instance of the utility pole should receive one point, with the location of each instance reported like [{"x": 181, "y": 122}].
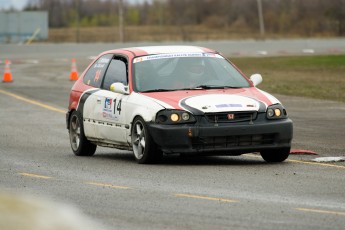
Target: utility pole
[
  {"x": 121, "y": 28},
  {"x": 261, "y": 19},
  {"x": 77, "y": 21}
]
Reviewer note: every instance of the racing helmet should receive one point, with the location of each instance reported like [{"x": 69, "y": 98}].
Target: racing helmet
[{"x": 195, "y": 67}]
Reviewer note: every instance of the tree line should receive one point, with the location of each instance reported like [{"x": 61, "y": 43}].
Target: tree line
[{"x": 284, "y": 17}]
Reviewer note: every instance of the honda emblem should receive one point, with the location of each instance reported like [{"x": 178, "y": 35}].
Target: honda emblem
[{"x": 231, "y": 116}]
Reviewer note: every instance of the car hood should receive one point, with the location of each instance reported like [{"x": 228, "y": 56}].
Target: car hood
[{"x": 215, "y": 100}]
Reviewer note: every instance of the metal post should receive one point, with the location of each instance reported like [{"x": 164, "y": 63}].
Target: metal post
[
  {"x": 77, "y": 22},
  {"x": 121, "y": 29},
  {"x": 261, "y": 19}
]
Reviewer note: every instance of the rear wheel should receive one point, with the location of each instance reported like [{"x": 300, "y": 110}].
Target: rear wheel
[
  {"x": 275, "y": 155},
  {"x": 144, "y": 149},
  {"x": 80, "y": 145}
]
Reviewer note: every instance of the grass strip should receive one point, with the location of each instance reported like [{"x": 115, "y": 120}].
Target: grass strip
[{"x": 321, "y": 77}]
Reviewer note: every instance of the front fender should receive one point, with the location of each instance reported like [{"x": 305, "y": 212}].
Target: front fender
[{"x": 140, "y": 106}]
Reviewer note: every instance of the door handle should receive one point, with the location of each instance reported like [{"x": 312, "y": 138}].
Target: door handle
[{"x": 99, "y": 100}]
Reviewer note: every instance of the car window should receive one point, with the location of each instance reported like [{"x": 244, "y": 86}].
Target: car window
[
  {"x": 116, "y": 72},
  {"x": 95, "y": 73}
]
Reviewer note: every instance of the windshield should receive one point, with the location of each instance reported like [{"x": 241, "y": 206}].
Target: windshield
[{"x": 166, "y": 72}]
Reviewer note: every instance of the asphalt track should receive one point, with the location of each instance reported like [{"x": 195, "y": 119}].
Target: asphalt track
[
  {"x": 180, "y": 193},
  {"x": 232, "y": 48}
]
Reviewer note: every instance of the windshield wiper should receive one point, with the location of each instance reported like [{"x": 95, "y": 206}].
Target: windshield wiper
[
  {"x": 212, "y": 87},
  {"x": 192, "y": 88},
  {"x": 232, "y": 87},
  {"x": 157, "y": 90}
]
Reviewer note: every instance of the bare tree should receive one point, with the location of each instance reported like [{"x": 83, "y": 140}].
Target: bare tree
[{"x": 278, "y": 17}]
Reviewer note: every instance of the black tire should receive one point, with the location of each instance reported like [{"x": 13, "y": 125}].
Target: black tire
[
  {"x": 144, "y": 148},
  {"x": 275, "y": 155},
  {"x": 79, "y": 144}
]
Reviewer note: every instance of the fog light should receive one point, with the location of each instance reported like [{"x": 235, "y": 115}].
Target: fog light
[
  {"x": 185, "y": 116},
  {"x": 162, "y": 118},
  {"x": 270, "y": 112},
  {"x": 277, "y": 112},
  {"x": 174, "y": 117}
]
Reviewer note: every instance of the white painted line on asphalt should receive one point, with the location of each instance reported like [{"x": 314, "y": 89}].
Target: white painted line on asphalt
[
  {"x": 308, "y": 51},
  {"x": 32, "y": 61},
  {"x": 262, "y": 52},
  {"x": 329, "y": 159}
]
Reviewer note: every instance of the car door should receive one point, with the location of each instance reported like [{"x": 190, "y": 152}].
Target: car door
[
  {"x": 93, "y": 77},
  {"x": 110, "y": 110}
]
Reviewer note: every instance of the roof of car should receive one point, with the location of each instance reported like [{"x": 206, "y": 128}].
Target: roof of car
[{"x": 148, "y": 50}]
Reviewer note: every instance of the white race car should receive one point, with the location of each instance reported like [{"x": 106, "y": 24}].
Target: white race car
[{"x": 174, "y": 100}]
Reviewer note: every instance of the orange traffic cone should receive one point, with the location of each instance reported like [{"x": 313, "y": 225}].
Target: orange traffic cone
[
  {"x": 7, "y": 73},
  {"x": 74, "y": 72}
]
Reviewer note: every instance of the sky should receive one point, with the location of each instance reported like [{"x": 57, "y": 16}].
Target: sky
[{"x": 19, "y": 4}]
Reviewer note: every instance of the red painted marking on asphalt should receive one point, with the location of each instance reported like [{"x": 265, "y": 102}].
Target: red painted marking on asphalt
[{"x": 302, "y": 152}]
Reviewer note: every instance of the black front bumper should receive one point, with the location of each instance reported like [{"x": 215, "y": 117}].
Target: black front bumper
[{"x": 223, "y": 138}]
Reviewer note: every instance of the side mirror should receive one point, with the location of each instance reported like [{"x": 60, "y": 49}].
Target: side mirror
[
  {"x": 256, "y": 79},
  {"x": 119, "y": 87}
]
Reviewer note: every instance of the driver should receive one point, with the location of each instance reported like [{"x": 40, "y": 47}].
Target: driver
[{"x": 193, "y": 71}]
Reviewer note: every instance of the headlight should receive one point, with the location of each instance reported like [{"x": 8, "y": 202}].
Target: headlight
[
  {"x": 174, "y": 117},
  {"x": 185, "y": 116},
  {"x": 169, "y": 117},
  {"x": 270, "y": 112},
  {"x": 276, "y": 111}
]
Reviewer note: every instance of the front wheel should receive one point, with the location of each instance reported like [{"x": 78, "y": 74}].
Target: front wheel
[
  {"x": 144, "y": 149},
  {"x": 80, "y": 145},
  {"x": 275, "y": 155}
]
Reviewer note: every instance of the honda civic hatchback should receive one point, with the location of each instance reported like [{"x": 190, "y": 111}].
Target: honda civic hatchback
[{"x": 174, "y": 100}]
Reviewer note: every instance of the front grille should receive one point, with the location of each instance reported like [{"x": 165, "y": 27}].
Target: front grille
[
  {"x": 232, "y": 141},
  {"x": 231, "y": 117}
]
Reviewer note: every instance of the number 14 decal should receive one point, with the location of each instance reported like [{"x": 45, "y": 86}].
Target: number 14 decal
[{"x": 117, "y": 107}]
